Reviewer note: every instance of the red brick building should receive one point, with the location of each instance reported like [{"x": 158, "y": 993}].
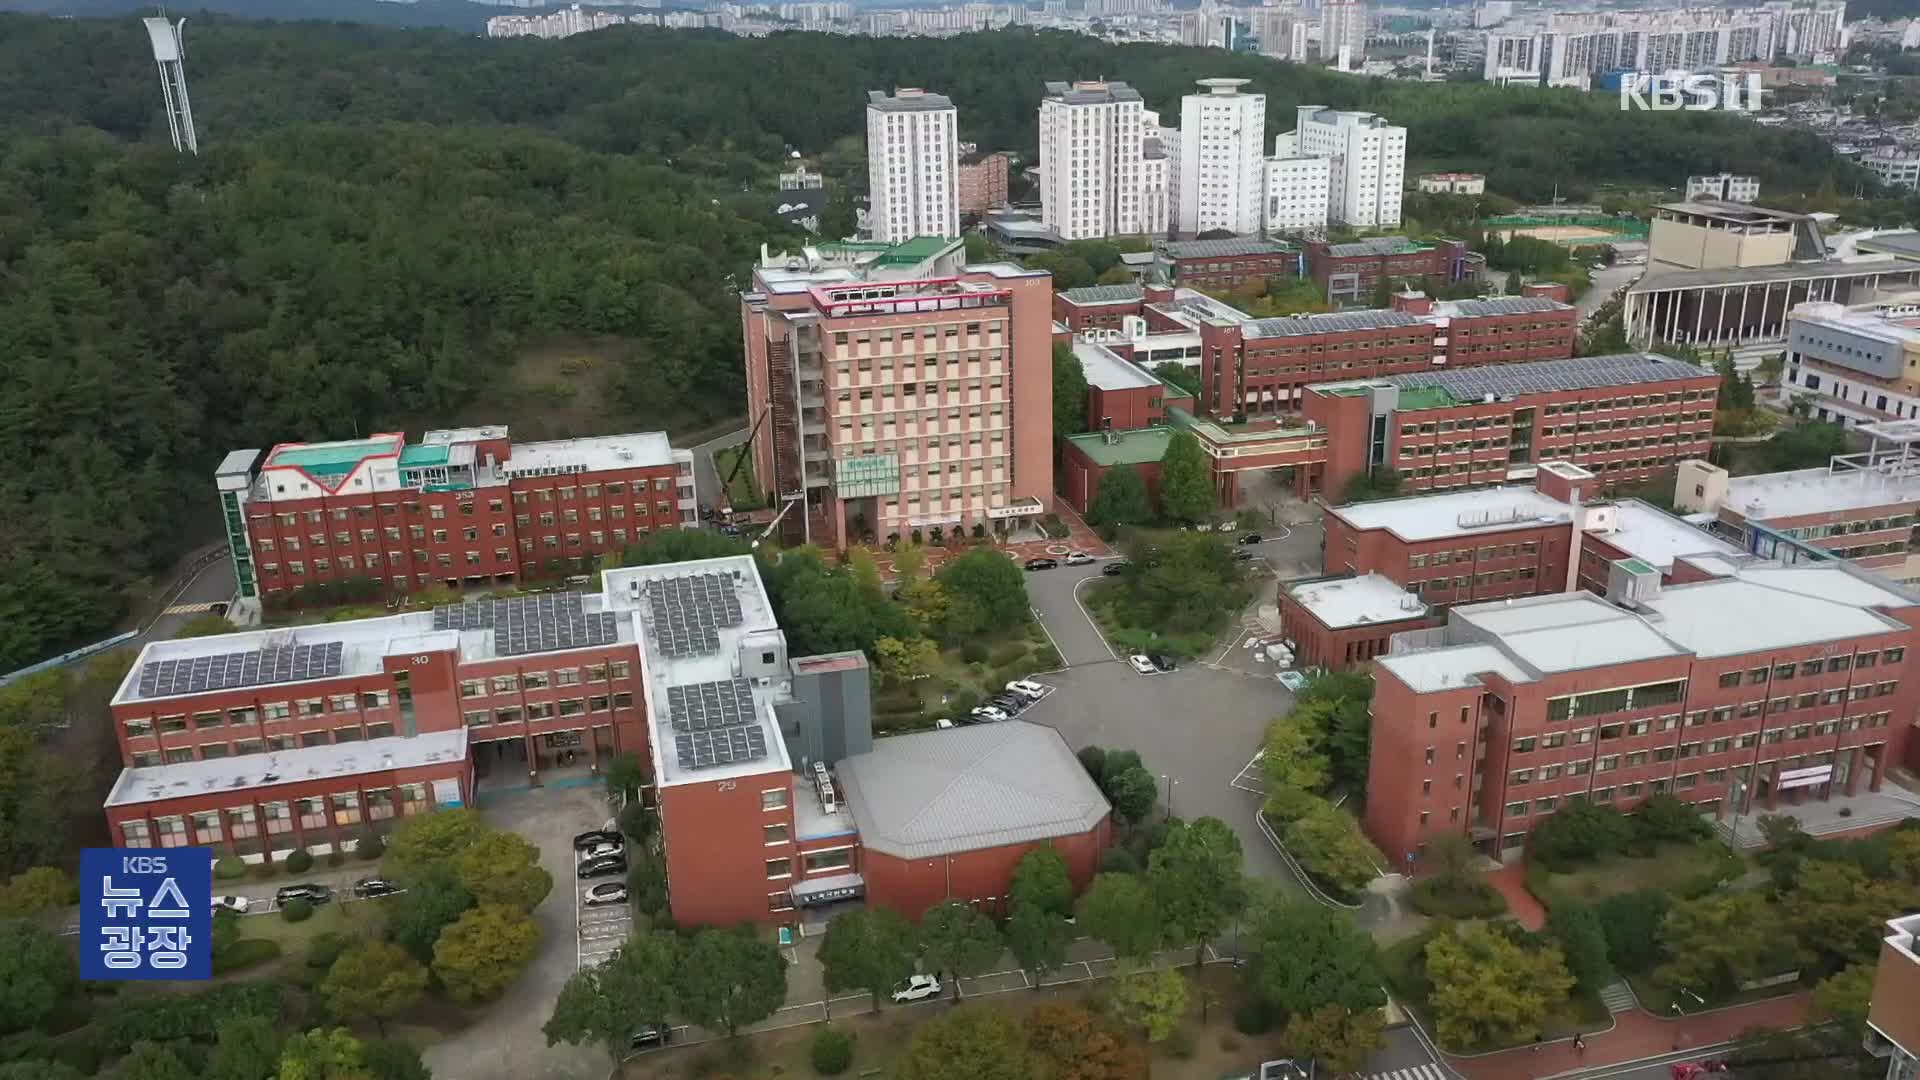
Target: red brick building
[
  {"x": 1260, "y": 367},
  {"x": 983, "y": 181},
  {"x": 1770, "y": 684},
  {"x": 1345, "y": 621},
  {"x": 1348, "y": 273},
  {"x": 1225, "y": 263},
  {"x": 1097, "y": 307},
  {"x": 1085, "y": 459},
  {"x": 1504, "y": 330},
  {"x": 461, "y": 507}
]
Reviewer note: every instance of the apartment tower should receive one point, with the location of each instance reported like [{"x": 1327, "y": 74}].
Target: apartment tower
[
  {"x": 1222, "y": 168},
  {"x": 1369, "y": 163},
  {"x": 913, "y": 158},
  {"x": 1091, "y": 136}
]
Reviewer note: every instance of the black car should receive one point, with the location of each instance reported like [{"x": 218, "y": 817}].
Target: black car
[
  {"x": 1010, "y": 704},
  {"x": 1042, "y": 564},
  {"x": 1115, "y": 568},
  {"x": 369, "y": 887},
  {"x": 596, "y": 837},
  {"x": 1252, "y": 538},
  {"x": 604, "y": 866},
  {"x": 1244, "y": 556},
  {"x": 650, "y": 1035},
  {"x": 1163, "y": 662},
  {"x": 311, "y": 893}
]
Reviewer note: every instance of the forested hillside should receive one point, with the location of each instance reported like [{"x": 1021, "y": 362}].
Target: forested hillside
[{"x": 382, "y": 221}]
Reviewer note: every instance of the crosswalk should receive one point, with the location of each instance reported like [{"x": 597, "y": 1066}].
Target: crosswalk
[
  {"x": 1412, "y": 1072},
  {"x": 190, "y": 609}
]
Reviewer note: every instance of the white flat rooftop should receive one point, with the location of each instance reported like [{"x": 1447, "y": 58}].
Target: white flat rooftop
[
  {"x": 1456, "y": 513},
  {"x": 1357, "y": 601},
  {"x": 304, "y": 765},
  {"x": 1567, "y": 631},
  {"x": 634, "y": 451},
  {"x": 1656, "y": 537},
  {"x": 1108, "y": 370},
  {"x": 1755, "y": 612},
  {"x": 1816, "y": 491},
  {"x": 1451, "y": 668}
]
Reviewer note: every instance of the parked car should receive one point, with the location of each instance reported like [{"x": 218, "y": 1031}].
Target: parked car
[
  {"x": 369, "y": 887},
  {"x": 1078, "y": 558},
  {"x": 596, "y": 837},
  {"x": 310, "y": 892},
  {"x": 236, "y": 904},
  {"x": 607, "y": 892},
  {"x": 1163, "y": 662},
  {"x": 1283, "y": 1069},
  {"x": 1041, "y": 564},
  {"x": 604, "y": 849},
  {"x": 1252, "y": 538},
  {"x": 1010, "y": 704},
  {"x": 1115, "y": 568},
  {"x": 1027, "y": 687},
  {"x": 651, "y": 1035},
  {"x": 1142, "y": 664},
  {"x": 916, "y": 988},
  {"x": 604, "y": 866},
  {"x": 1244, "y": 556},
  {"x": 941, "y": 723},
  {"x": 989, "y": 713}
]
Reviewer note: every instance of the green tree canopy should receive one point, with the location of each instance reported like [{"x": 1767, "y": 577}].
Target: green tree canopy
[
  {"x": 1195, "y": 875},
  {"x": 484, "y": 951},
  {"x": 1488, "y": 989},
  {"x": 868, "y": 950},
  {"x": 1304, "y": 956},
  {"x": 503, "y": 868},
  {"x": 37, "y": 973},
  {"x": 1186, "y": 480},
  {"x": 1118, "y": 909},
  {"x": 1709, "y": 943},
  {"x": 992, "y": 582},
  {"x": 245, "y": 1048},
  {"x": 433, "y": 900},
  {"x": 1040, "y": 879},
  {"x": 1069, "y": 390},
  {"x": 730, "y": 978},
  {"x": 374, "y": 979},
  {"x": 974, "y": 1043},
  {"x": 1121, "y": 498},
  {"x": 1038, "y": 938},
  {"x": 958, "y": 940},
  {"x": 1151, "y": 999},
  {"x": 324, "y": 1054},
  {"x": 607, "y": 1002},
  {"x": 421, "y": 840}
]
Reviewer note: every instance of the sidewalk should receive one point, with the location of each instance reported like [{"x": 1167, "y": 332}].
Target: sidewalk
[
  {"x": 1637, "y": 1034},
  {"x": 1511, "y": 880}
]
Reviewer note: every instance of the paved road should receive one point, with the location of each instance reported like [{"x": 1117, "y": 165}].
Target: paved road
[
  {"x": 706, "y": 482},
  {"x": 1404, "y": 1057},
  {"x": 1605, "y": 284},
  {"x": 211, "y": 583}
]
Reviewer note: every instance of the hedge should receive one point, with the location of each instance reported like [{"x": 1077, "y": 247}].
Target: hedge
[
  {"x": 1478, "y": 900},
  {"x": 245, "y": 953},
  {"x": 299, "y": 862}
]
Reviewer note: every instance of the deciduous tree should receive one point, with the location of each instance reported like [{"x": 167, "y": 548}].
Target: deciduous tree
[
  {"x": 1337, "y": 1039},
  {"x": 433, "y": 899},
  {"x": 1151, "y": 999},
  {"x": 1132, "y": 792},
  {"x": 975, "y": 1043},
  {"x": 1038, "y": 939},
  {"x": 1118, "y": 909},
  {"x": 1071, "y": 1043},
  {"x": 1195, "y": 876},
  {"x": 1121, "y": 499},
  {"x": 503, "y": 868},
  {"x": 1040, "y": 878},
  {"x": 152, "y": 1061},
  {"x": 730, "y": 979},
  {"x": 1303, "y": 956},
  {"x": 37, "y": 890},
  {"x": 484, "y": 951},
  {"x": 247, "y": 1048},
  {"x": 1709, "y": 942},
  {"x": 993, "y": 582},
  {"x": 606, "y": 1002},
  {"x": 959, "y": 942},
  {"x": 1489, "y": 989},
  {"x": 37, "y": 972},
  {"x": 1186, "y": 480},
  {"x": 373, "y": 979},
  {"x": 424, "y": 839},
  {"x": 1584, "y": 943},
  {"x": 1069, "y": 392},
  {"x": 868, "y": 950},
  {"x": 324, "y": 1054}
]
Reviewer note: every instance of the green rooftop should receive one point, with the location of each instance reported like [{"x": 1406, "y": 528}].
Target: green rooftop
[
  {"x": 1425, "y": 397},
  {"x": 423, "y": 457},
  {"x": 1139, "y": 447},
  {"x": 334, "y": 458},
  {"x": 1637, "y": 566},
  {"x": 918, "y": 249}
]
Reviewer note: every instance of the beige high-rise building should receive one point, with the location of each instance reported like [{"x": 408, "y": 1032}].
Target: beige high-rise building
[{"x": 913, "y": 163}]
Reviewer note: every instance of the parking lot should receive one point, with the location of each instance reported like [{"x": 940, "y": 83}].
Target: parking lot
[{"x": 603, "y": 927}]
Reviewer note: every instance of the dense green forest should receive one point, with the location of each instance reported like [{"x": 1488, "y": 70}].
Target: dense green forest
[{"x": 383, "y": 226}]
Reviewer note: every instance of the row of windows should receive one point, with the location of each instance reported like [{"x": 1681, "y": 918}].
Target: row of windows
[
  {"x": 1635, "y": 402},
  {"x": 209, "y": 751},
  {"x": 541, "y": 680},
  {"x": 1527, "y": 548},
  {"x": 392, "y": 534},
  {"x": 905, "y": 334},
  {"x": 248, "y": 715},
  {"x": 241, "y": 823},
  {"x": 1807, "y": 668},
  {"x": 547, "y": 710},
  {"x": 1431, "y": 585}
]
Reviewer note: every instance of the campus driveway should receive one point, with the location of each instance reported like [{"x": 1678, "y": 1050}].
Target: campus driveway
[{"x": 504, "y": 1039}]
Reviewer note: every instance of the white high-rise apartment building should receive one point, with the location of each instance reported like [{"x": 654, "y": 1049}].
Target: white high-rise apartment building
[
  {"x": 1343, "y": 32},
  {"x": 1091, "y": 153},
  {"x": 1297, "y": 189},
  {"x": 1222, "y": 167},
  {"x": 1367, "y": 163},
  {"x": 1281, "y": 30},
  {"x": 1575, "y": 48},
  {"x": 1725, "y": 186},
  {"x": 913, "y": 161},
  {"x": 1156, "y": 188}
]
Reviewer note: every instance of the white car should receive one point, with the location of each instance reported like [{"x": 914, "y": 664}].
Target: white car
[
  {"x": 598, "y": 850},
  {"x": 1142, "y": 664},
  {"x": 236, "y": 904},
  {"x": 941, "y": 723},
  {"x": 1027, "y": 688},
  {"x": 916, "y": 988},
  {"x": 989, "y": 713},
  {"x": 1078, "y": 558}
]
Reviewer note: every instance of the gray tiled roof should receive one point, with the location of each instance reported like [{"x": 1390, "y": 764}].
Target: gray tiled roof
[
  {"x": 1102, "y": 294},
  {"x": 1580, "y": 373},
  {"x": 987, "y": 785},
  {"x": 1338, "y": 323},
  {"x": 1508, "y": 305},
  {"x": 1237, "y": 245}
]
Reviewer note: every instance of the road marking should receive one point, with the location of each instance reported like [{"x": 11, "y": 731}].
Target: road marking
[
  {"x": 189, "y": 609},
  {"x": 1413, "y": 1072},
  {"x": 1099, "y": 633}
]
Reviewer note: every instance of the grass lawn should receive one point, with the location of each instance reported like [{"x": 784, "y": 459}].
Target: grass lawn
[
  {"x": 362, "y": 919},
  {"x": 955, "y": 681},
  {"x": 1673, "y": 868},
  {"x": 1659, "y": 1001},
  {"x": 741, "y": 494}
]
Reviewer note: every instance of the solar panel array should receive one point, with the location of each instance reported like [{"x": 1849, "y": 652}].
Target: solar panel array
[
  {"x": 1334, "y": 323},
  {"x": 727, "y": 746},
  {"x": 531, "y": 624},
  {"x": 689, "y": 611},
  {"x": 710, "y": 705},
  {"x": 224, "y": 671},
  {"x": 1508, "y": 305},
  {"x": 1581, "y": 373}
]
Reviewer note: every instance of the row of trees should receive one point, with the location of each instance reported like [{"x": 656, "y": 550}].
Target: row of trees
[
  {"x": 720, "y": 979},
  {"x": 1322, "y": 743}
]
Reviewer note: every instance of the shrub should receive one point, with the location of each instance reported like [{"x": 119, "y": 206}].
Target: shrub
[
  {"x": 1579, "y": 832},
  {"x": 1118, "y": 861},
  {"x": 1286, "y": 805},
  {"x": 370, "y": 847},
  {"x": 229, "y": 868},
  {"x": 1008, "y": 652},
  {"x": 635, "y": 822},
  {"x": 832, "y": 1051},
  {"x": 1665, "y": 819},
  {"x": 245, "y": 953},
  {"x": 974, "y": 652},
  {"x": 1473, "y": 900},
  {"x": 299, "y": 862},
  {"x": 1047, "y": 659},
  {"x": 336, "y": 857},
  {"x": 263, "y": 870},
  {"x": 1253, "y": 1016},
  {"x": 296, "y": 910},
  {"x": 326, "y": 947}
]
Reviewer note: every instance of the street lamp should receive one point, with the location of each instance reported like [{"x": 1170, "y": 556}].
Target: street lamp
[{"x": 1168, "y": 801}]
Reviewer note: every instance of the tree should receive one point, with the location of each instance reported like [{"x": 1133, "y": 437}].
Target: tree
[
  {"x": 1629, "y": 920},
  {"x": 993, "y": 582},
  {"x": 1196, "y": 880},
  {"x": 1382, "y": 293},
  {"x": 1339, "y": 1040},
  {"x": 1489, "y": 989},
  {"x": 730, "y": 979},
  {"x": 1177, "y": 374},
  {"x": 391, "y": 1059},
  {"x": 866, "y": 571},
  {"x": 1071, "y": 1043},
  {"x": 1843, "y": 997},
  {"x": 1152, "y": 999},
  {"x": 503, "y": 868},
  {"x": 1331, "y": 846},
  {"x": 868, "y": 950},
  {"x": 626, "y": 775},
  {"x": 37, "y": 973},
  {"x": 959, "y": 942},
  {"x": 683, "y": 545},
  {"x": 1303, "y": 956},
  {"x": 1513, "y": 283},
  {"x": 1132, "y": 792},
  {"x": 39, "y": 889},
  {"x": 647, "y": 884},
  {"x": 1903, "y": 855},
  {"x": 1118, "y": 909},
  {"x": 1293, "y": 757},
  {"x": 424, "y": 839},
  {"x": 483, "y": 952},
  {"x": 1841, "y": 914},
  {"x": 1040, "y": 878},
  {"x": 374, "y": 979},
  {"x": 1186, "y": 480},
  {"x": 1377, "y": 483},
  {"x": 324, "y": 1054},
  {"x": 433, "y": 900},
  {"x": 1094, "y": 760},
  {"x": 1709, "y": 943},
  {"x": 1583, "y": 942},
  {"x": 246, "y": 1048},
  {"x": 1121, "y": 499},
  {"x": 1579, "y": 831},
  {"x": 975, "y": 1043},
  {"x": 1069, "y": 392},
  {"x": 1038, "y": 939},
  {"x": 152, "y": 1061},
  {"x": 604, "y": 1003}
]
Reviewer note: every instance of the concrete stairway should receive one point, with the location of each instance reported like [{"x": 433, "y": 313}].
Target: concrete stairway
[{"x": 1618, "y": 997}]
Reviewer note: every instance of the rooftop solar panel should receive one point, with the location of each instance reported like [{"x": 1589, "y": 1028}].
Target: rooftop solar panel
[
  {"x": 226, "y": 671},
  {"x": 689, "y": 611}
]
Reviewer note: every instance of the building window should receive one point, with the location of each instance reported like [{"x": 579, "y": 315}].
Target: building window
[
  {"x": 773, "y": 799},
  {"x": 773, "y": 834},
  {"x": 779, "y": 868}
]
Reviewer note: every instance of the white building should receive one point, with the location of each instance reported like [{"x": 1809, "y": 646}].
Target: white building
[
  {"x": 1343, "y": 33},
  {"x": 1368, "y": 159},
  {"x": 556, "y": 24},
  {"x": 1297, "y": 189},
  {"x": 1894, "y": 166},
  {"x": 801, "y": 179},
  {"x": 1726, "y": 187},
  {"x": 913, "y": 160},
  {"x": 1574, "y": 48},
  {"x": 1156, "y": 187},
  {"x": 1281, "y": 31},
  {"x": 1222, "y": 164},
  {"x": 1091, "y": 154},
  {"x": 1452, "y": 183}
]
